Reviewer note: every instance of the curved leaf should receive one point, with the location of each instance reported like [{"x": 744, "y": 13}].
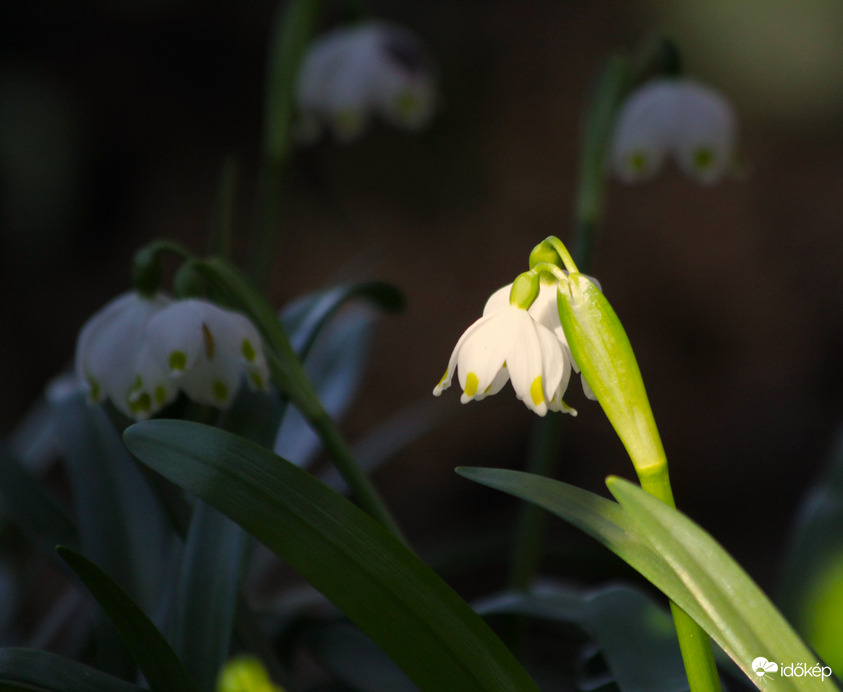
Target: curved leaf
[
  {"x": 32, "y": 670},
  {"x": 432, "y": 634},
  {"x": 160, "y": 665}
]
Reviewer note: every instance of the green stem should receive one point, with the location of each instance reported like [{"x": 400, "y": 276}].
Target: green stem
[
  {"x": 694, "y": 643},
  {"x": 292, "y": 28}
]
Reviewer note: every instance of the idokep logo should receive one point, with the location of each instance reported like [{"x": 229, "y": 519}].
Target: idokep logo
[{"x": 768, "y": 669}]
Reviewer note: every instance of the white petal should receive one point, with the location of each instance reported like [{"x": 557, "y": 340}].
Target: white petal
[
  {"x": 644, "y": 131},
  {"x": 110, "y": 343},
  {"x": 482, "y": 356},
  {"x": 445, "y": 382},
  {"x": 705, "y": 137},
  {"x": 498, "y": 300},
  {"x": 525, "y": 362}
]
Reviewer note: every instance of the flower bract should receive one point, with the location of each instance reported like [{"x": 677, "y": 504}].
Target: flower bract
[
  {"x": 674, "y": 117},
  {"x": 351, "y": 73}
]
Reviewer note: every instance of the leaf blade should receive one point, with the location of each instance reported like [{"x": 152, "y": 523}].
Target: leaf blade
[{"x": 391, "y": 595}]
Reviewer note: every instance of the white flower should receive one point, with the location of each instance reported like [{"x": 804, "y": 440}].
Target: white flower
[
  {"x": 545, "y": 312},
  {"x": 508, "y": 344},
  {"x": 206, "y": 349},
  {"x": 350, "y": 73},
  {"x": 677, "y": 117},
  {"x": 114, "y": 362}
]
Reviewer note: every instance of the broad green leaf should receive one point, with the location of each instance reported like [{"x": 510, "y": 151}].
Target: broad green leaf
[
  {"x": 432, "y": 634},
  {"x": 154, "y": 656},
  {"x": 747, "y": 624},
  {"x": 700, "y": 594},
  {"x": 207, "y": 593},
  {"x": 32, "y": 670}
]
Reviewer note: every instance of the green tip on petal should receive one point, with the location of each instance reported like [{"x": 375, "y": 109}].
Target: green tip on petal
[
  {"x": 257, "y": 381},
  {"x": 638, "y": 162},
  {"x": 220, "y": 391},
  {"x": 248, "y": 351},
  {"x": 536, "y": 391},
  {"x": 703, "y": 158},
  {"x": 94, "y": 391},
  {"x": 141, "y": 404},
  {"x": 471, "y": 383},
  {"x": 178, "y": 361},
  {"x": 160, "y": 395}
]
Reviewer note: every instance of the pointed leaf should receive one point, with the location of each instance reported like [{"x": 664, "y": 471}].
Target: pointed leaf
[
  {"x": 32, "y": 670},
  {"x": 437, "y": 640},
  {"x": 160, "y": 665},
  {"x": 747, "y": 624}
]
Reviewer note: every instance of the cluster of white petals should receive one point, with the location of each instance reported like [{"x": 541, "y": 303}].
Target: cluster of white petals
[
  {"x": 139, "y": 352},
  {"x": 351, "y": 73},
  {"x": 676, "y": 117},
  {"x": 510, "y": 343}
]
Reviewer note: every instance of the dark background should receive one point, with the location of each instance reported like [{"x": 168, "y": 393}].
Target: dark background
[{"x": 116, "y": 117}]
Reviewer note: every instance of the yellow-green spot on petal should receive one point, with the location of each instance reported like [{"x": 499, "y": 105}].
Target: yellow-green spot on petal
[
  {"x": 160, "y": 394},
  {"x": 638, "y": 161},
  {"x": 407, "y": 104},
  {"x": 536, "y": 391},
  {"x": 248, "y": 351},
  {"x": 178, "y": 361},
  {"x": 703, "y": 158},
  {"x": 442, "y": 380},
  {"x": 137, "y": 386},
  {"x": 209, "y": 341},
  {"x": 471, "y": 384},
  {"x": 141, "y": 404},
  {"x": 257, "y": 380},
  {"x": 220, "y": 391},
  {"x": 94, "y": 391}
]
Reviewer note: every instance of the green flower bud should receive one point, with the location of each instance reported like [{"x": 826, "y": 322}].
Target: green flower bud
[
  {"x": 602, "y": 350},
  {"x": 245, "y": 674},
  {"x": 545, "y": 253},
  {"x": 524, "y": 290}
]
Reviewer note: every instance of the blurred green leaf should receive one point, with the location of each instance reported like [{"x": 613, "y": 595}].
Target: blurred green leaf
[
  {"x": 206, "y": 596},
  {"x": 810, "y": 588},
  {"x": 31, "y": 670},
  {"x": 356, "y": 660},
  {"x": 635, "y": 635},
  {"x": 437, "y": 640},
  {"x": 163, "y": 670},
  {"x": 28, "y": 504},
  {"x": 306, "y": 317}
]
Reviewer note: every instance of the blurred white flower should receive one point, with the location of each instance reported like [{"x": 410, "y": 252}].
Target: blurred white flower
[
  {"x": 113, "y": 360},
  {"x": 206, "y": 349},
  {"x": 677, "y": 117},
  {"x": 509, "y": 344},
  {"x": 350, "y": 73},
  {"x": 139, "y": 352}
]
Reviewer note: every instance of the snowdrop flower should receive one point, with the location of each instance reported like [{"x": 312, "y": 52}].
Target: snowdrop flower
[
  {"x": 507, "y": 343},
  {"x": 206, "y": 349},
  {"x": 113, "y": 359},
  {"x": 544, "y": 311},
  {"x": 679, "y": 118},
  {"x": 350, "y": 73}
]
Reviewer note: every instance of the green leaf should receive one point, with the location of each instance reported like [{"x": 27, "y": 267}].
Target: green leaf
[
  {"x": 206, "y": 597},
  {"x": 306, "y": 318},
  {"x": 432, "y": 634},
  {"x": 747, "y": 624},
  {"x": 689, "y": 567},
  {"x": 29, "y": 505},
  {"x": 32, "y": 670},
  {"x": 154, "y": 656}
]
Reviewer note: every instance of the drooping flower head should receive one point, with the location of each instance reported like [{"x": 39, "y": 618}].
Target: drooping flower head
[
  {"x": 508, "y": 344},
  {"x": 351, "y": 73},
  {"x": 139, "y": 352},
  {"x": 679, "y": 118}
]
